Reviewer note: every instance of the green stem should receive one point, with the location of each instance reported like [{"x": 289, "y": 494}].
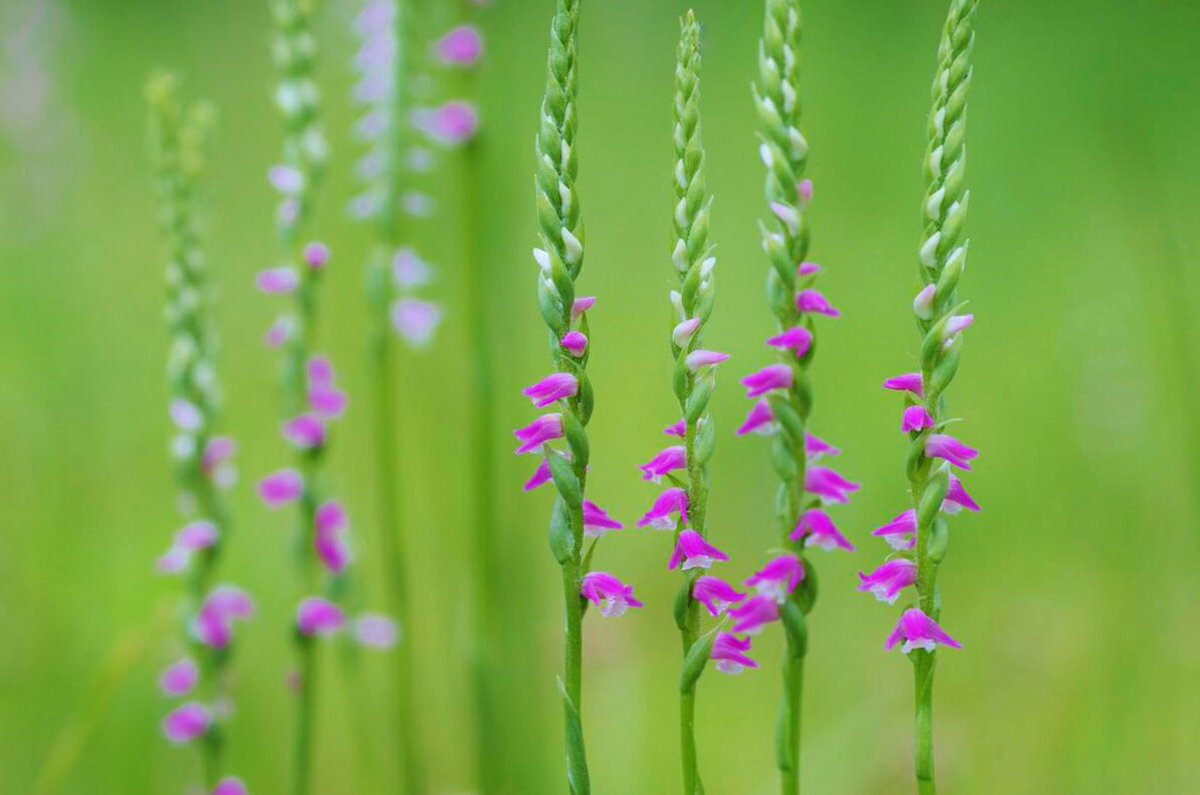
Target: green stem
[
  {"x": 485, "y": 556},
  {"x": 306, "y": 705},
  {"x": 392, "y": 538},
  {"x": 923, "y": 667},
  {"x": 789, "y": 723},
  {"x": 687, "y": 712},
  {"x": 577, "y": 771}
]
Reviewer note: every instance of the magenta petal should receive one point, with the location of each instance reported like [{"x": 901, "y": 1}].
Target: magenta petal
[
  {"x": 318, "y": 616},
  {"x": 541, "y": 476},
  {"x": 280, "y": 488},
  {"x": 753, "y": 614},
  {"x": 678, "y": 429},
  {"x": 231, "y": 786},
  {"x": 551, "y": 389},
  {"x": 775, "y": 376},
  {"x": 544, "y": 429},
  {"x": 575, "y": 342},
  {"x": 909, "y": 382},
  {"x": 729, "y": 654},
  {"x": 915, "y": 419},
  {"x": 179, "y": 678},
  {"x": 187, "y": 723},
  {"x": 612, "y": 596},
  {"x": 798, "y": 339},
  {"x": 596, "y": 522},
  {"x": 665, "y": 462},
  {"x": 693, "y": 552},
  {"x": 661, "y": 514},
  {"x": 277, "y": 281},
  {"x": 760, "y": 420},
  {"x": 305, "y": 432},
  {"x": 779, "y": 578},
  {"x": 813, "y": 302},
  {"x": 715, "y": 594},
  {"x": 462, "y": 46},
  {"x": 950, "y": 450}
]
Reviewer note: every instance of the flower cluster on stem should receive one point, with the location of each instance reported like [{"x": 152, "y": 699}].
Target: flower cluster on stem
[
  {"x": 920, "y": 535},
  {"x": 560, "y": 436},
  {"x": 202, "y": 460},
  {"x": 782, "y": 391},
  {"x": 312, "y": 399},
  {"x": 681, "y": 508}
]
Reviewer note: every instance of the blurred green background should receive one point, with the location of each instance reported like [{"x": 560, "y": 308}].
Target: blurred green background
[{"x": 1075, "y": 593}]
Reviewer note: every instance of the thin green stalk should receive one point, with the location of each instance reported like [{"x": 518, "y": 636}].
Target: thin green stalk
[
  {"x": 943, "y": 257},
  {"x": 179, "y": 137},
  {"x": 561, "y": 261},
  {"x": 786, "y": 240},
  {"x": 693, "y": 381},
  {"x": 303, "y": 158}
]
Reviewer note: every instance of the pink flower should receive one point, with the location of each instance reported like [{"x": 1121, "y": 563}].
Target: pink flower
[
  {"x": 191, "y": 538},
  {"x": 582, "y": 304},
  {"x": 805, "y": 190},
  {"x": 919, "y": 631},
  {"x": 305, "y": 432},
  {"x": 612, "y": 596},
  {"x": 887, "y": 581},
  {"x": 682, "y": 334},
  {"x": 330, "y": 523},
  {"x": 316, "y": 255},
  {"x": 909, "y": 382},
  {"x": 575, "y": 342},
  {"x": 788, "y": 215},
  {"x": 729, "y": 654},
  {"x": 900, "y": 532},
  {"x": 318, "y": 616},
  {"x": 951, "y": 450},
  {"x": 818, "y": 530},
  {"x": 668, "y": 460},
  {"x": 694, "y": 552},
  {"x": 754, "y": 614},
  {"x": 187, "y": 723},
  {"x": 323, "y": 396},
  {"x": 453, "y": 123},
  {"x": 957, "y": 498},
  {"x": 462, "y": 46},
  {"x": 701, "y": 358},
  {"x": 811, "y": 301},
  {"x": 409, "y": 270},
  {"x": 219, "y": 450},
  {"x": 415, "y": 320},
  {"x": 278, "y": 281},
  {"x": 715, "y": 594},
  {"x": 282, "y": 330},
  {"x": 923, "y": 303},
  {"x": 280, "y": 488},
  {"x": 956, "y": 325},
  {"x": 231, "y": 786},
  {"x": 544, "y": 429},
  {"x": 596, "y": 522},
  {"x": 828, "y": 485},
  {"x": 186, "y": 416},
  {"x": 551, "y": 389},
  {"x": 779, "y": 578},
  {"x": 808, "y": 269},
  {"x": 814, "y": 448},
  {"x": 915, "y": 419},
  {"x": 660, "y": 516},
  {"x": 678, "y": 429},
  {"x": 288, "y": 180},
  {"x": 376, "y": 631},
  {"x": 179, "y": 678},
  {"x": 213, "y": 625},
  {"x": 798, "y": 339},
  {"x": 541, "y": 476},
  {"x": 770, "y": 378},
  {"x": 760, "y": 420}
]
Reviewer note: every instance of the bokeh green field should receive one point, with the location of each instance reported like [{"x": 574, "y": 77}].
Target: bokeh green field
[{"x": 1076, "y": 593}]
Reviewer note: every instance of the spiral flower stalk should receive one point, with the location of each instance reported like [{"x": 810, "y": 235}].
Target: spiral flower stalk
[
  {"x": 921, "y": 534},
  {"x": 312, "y": 398},
  {"x": 694, "y": 379},
  {"x": 568, "y": 389},
  {"x": 203, "y": 465},
  {"x": 783, "y": 390}
]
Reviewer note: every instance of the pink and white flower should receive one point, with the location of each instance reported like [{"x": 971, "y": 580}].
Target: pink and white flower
[
  {"x": 693, "y": 552},
  {"x": 608, "y": 593},
  {"x": 661, "y": 514},
  {"x": 887, "y": 581},
  {"x": 818, "y": 530},
  {"x": 715, "y": 594},
  {"x": 779, "y": 578},
  {"x": 919, "y": 631},
  {"x": 729, "y": 654}
]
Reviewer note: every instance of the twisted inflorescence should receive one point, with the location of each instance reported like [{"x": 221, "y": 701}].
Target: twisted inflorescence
[
  {"x": 560, "y": 261},
  {"x": 783, "y": 390},
  {"x": 921, "y": 534},
  {"x": 202, "y": 459}
]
